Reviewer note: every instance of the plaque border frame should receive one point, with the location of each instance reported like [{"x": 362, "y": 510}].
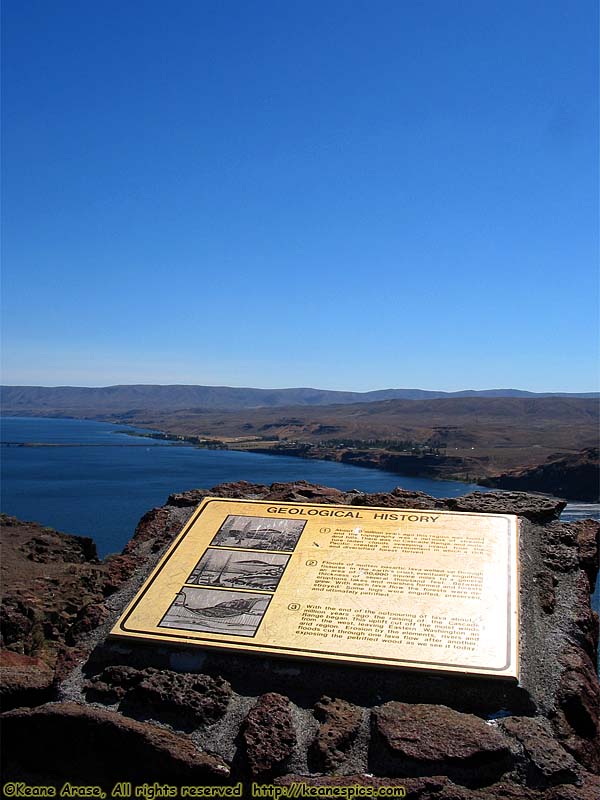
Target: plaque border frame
[{"x": 119, "y": 630}]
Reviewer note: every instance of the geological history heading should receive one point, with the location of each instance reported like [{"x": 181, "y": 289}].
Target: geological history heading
[{"x": 392, "y": 516}]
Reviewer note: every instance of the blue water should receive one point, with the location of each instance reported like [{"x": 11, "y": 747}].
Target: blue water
[{"x": 102, "y": 488}]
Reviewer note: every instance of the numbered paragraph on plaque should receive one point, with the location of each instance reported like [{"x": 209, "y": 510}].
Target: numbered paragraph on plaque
[
  {"x": 420, "y": 630},
  {"x": 407, "y": 541},
  {"x": 381, "y": 580}
]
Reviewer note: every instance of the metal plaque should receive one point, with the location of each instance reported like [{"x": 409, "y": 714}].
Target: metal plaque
[{"x": 407, "y": 588}]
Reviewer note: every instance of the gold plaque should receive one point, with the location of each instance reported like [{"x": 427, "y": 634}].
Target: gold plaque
[{"x": 427, "y": 590}]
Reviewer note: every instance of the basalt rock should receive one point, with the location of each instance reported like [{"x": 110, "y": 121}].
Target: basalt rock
[
  {"x": 418, "y": 740},
  {"x": 186, "y": 700},
  {"x": 588, "y": 546},
  {"x": 90, "y": 746},
  {"x": 340, "y": 723},
  {"x": 250, "y": 491},
  {"x": 52, "y": 592},
  {"x": 156, "y": 529},
  {"x": 24, "y": 680},
  {"x": 546, "y": 583},
  {"x": 548, "y": 764},
  {"x": 577, "y": 717},
  {"x": 535, "y": 508},
  {"x": 398, "y": 498},
  {"x": 269, "y": 735}
]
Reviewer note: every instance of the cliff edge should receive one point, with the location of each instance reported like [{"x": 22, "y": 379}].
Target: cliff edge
[{"x": 576, "y": 477}]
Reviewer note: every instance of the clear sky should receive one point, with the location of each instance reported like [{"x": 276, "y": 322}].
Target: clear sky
[{"x": 347, "y": 195}]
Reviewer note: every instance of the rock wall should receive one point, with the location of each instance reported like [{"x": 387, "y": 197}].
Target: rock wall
[{"x": 143, "y": 713}]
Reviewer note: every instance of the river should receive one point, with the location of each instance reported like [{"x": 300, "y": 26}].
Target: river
[{"x": 96, "y": 479}]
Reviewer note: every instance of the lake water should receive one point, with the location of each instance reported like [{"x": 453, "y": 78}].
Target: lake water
[{"x": 102, "y": 487}]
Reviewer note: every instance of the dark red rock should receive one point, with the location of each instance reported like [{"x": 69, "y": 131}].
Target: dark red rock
[
  {"x": 584, "y": 620},
  {"x": 398, "y": 498},
  {"x": 24, "y": 680},
  {"x": 269, "y": 734},
  {"x": 298, "y": 491},
  {"x": 589, "y": 789},
  {"x": 119, "y": 568},
  {"x": 52, "y": 590},
  {"x": 421, "y": 739},
  {"x": 50, "y": 546},
  {"x": 340, "y": 723},
  {"x": 88, "y": 745},
  {"x": 546, "y": 583},
  {"x": 245, "y": 489},
  {"x": 503, "y": 790},
  {"x": 304, "y": 492},
  {"x": 88, "y": 619},
  {"x": 577, "y": 719},
  {"x": 112, "y": 684},
  {"x": 559, "y": 548},
  {"x": 189, "y": 499},
  {"x": 17, "y": 621},
  {"x": 548, "y": 763},
  {"x": 588, "y": 545},
  {"x": 535, "y": 508},
  {"x": 155, "y": 530},
  {"x": 181, "y": 698}
]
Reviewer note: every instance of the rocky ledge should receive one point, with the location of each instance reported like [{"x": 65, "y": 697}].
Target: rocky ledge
[{"x": 89, "y": 710}]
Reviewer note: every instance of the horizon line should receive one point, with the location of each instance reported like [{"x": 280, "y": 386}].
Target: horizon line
[{"x": 291, "y": 388}]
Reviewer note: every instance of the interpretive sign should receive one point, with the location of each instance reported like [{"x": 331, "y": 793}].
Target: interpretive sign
[{"x": 417, "y": 589}]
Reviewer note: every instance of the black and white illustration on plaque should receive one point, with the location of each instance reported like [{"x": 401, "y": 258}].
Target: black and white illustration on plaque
[
  {"x": 259, "y": 533},
  {"x": 214, "y": 611},
  {"x": 239, "y": 570}
]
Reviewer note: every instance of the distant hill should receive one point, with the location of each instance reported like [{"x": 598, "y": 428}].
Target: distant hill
[
  {"x": 460, "y": 422},
  {"x": 91, "y": 401},
  {"x": 575, "y": 476},
  {"x": 454, "y": 435}
]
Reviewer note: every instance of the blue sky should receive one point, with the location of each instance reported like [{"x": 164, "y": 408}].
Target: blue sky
[{"x": 349, "y": 195}]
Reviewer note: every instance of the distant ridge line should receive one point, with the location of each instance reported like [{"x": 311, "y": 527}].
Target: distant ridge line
[{"x": 173, "y": 397}]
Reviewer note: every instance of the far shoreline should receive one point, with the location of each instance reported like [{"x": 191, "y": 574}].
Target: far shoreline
[{"x": 352, "y": 456}]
